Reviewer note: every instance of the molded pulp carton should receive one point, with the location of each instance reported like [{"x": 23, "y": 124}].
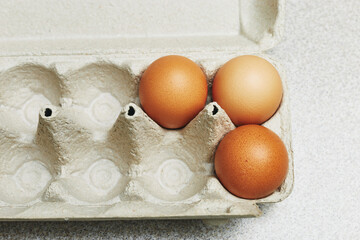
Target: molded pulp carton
[{"x": 75, "y": 143}]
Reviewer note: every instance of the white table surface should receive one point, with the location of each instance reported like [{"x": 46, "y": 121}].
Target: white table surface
[{"x": 321, "y": 52}]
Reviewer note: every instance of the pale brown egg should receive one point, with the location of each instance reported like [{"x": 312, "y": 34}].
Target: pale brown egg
[
  {"x": 248, "y": 88},
  {"x": 251, "y": 161},
  {"x": 172, "y": 91}
]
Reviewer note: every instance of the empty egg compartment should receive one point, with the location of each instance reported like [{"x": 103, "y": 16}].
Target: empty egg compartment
[{"x": 92, "y": 152}]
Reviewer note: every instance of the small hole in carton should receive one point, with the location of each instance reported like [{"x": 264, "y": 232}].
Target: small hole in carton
[
  {"x": 215, "y": 110},
  {"x": 131, "y": 111},
  {"x": 47, "y": 112}
]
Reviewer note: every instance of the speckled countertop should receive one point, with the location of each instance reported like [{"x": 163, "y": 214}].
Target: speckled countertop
[{"x": 321, "y": 52}]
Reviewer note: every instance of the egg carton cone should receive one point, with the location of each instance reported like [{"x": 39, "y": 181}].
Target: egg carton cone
[{"x": 75, "y": 142}]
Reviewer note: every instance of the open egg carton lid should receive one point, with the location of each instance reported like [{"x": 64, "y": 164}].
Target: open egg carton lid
[
  {"x": 93, "y": 153},
  {"x": 138, "y": 27}
]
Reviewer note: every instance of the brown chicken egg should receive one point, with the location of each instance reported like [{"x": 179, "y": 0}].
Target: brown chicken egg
[
  {"x": 248, "y": 88},
  {"x": 251, "y": 162},
  {"x": 172, "y": 91}
]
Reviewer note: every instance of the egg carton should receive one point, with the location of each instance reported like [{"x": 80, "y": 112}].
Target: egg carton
[{"x": 76, "y": 144}]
